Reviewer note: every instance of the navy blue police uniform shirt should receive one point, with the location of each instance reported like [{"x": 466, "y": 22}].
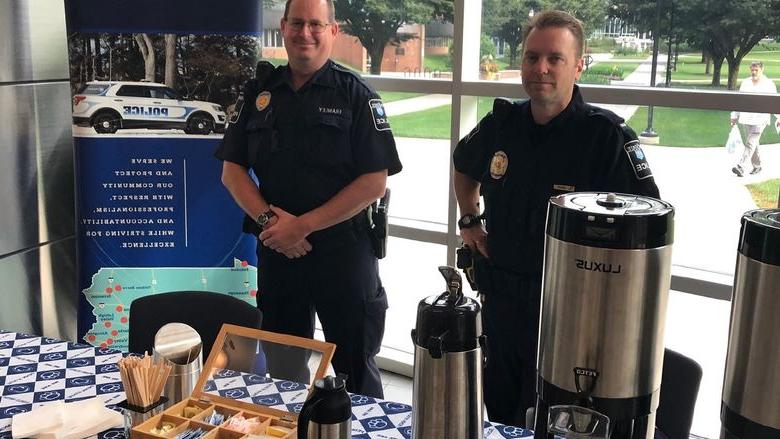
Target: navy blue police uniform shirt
[
  {"x": 305, "y": 146},
  {"x": 520, "y": 165}
]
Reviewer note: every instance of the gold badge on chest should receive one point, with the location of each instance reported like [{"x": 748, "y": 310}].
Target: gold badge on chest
[
  {"x": 499, "y": 164},
  {"x": 262, "y": 101}
]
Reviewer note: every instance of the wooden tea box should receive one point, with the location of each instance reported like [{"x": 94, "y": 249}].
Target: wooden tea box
[{"x": 249, "y": 381}]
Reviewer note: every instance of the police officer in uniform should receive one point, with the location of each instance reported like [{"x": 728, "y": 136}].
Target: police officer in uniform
[
  {"x": 516, "y": 158},
  {"x": 316, "y": 136}
]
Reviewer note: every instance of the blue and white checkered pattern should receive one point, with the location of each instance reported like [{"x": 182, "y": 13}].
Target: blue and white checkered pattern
[
  {"x": 371, "y": 418},
  {"x": 35, "y": 370}
]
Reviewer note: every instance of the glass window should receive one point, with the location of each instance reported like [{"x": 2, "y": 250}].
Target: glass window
[
  {"x": 409, "y": 274},
  {"x": 421, "y": 126},
  {"x": 703, "y": 336},
  {"x": 694, "y": 172},
  {"x": 93, "y": 89},
  {"x": 138, "y": 91}
]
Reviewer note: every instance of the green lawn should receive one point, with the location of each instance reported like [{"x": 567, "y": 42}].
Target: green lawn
[
  {"x": 765, "y": 193},
  {"x": 433, "y": 123},
  {"x": 390, "y": 96},
  {"x": 691, "y": 128},
  {"x": 437, "y": 63}
]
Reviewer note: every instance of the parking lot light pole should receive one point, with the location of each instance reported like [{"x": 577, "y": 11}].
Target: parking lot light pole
[{"x": 649, "y": 132}]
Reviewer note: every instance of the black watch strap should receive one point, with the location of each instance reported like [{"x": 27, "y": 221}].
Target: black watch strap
[
  {"x": 469, "y": 220},
  {"x": 264, "y": 217}
]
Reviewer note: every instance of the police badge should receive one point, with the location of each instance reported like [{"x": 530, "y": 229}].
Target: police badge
[
  {"x": 498, "y": 165},
  {"x": 262, "y": 101}
]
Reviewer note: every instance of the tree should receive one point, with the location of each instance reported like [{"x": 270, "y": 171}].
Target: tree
[
  {"x": 505, "y": 19},
  {"x": 170, "y": 60},
  {"x": 737, "y": 27},
  {"x": 727, "y": 31},
  {"x": 375, "y": 22},
  {"x": 146, "y": 47},
  {"x": 592, "y": 13}
]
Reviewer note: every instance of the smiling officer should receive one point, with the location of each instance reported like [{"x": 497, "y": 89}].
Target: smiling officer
[
  {"x": 318, "y": 139},
  {"x": 516, "y": 158}
]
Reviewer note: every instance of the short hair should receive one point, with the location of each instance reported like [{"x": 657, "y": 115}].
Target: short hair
[
  {"x": 757, "y": 63},
  {"x": 561, "y": 19},
  {"x": 331, "y": 10}
]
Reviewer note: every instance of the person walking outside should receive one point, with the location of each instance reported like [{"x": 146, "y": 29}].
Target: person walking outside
[{"x": 754, "y": 123}]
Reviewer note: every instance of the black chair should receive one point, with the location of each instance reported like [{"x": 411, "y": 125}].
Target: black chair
[
  {"x": 679, "y": 389},
  {"x": 204, "y": 311}
]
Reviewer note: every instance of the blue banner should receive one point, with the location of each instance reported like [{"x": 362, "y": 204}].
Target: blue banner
[
  {"x": 153, "y": 84},
  {"x": 165, "y": 16}
]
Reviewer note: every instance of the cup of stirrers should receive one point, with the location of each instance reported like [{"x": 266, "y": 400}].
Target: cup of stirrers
[{"x": 143, "y": 379}]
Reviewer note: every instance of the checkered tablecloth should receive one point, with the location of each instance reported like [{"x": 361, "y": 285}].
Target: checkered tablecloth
[{"x": 35, "y": 370}]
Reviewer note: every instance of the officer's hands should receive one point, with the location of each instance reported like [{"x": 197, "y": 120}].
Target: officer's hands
[
  {"x": 287, "y": 235},
  {"x": 733, "y": 121},
  {"x": 475, "y": 238}
]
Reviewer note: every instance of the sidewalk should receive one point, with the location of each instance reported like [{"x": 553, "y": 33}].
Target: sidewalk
[{"x": 640, "y": 77}]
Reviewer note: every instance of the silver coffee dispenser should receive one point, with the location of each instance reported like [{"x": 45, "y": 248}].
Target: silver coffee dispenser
[
  {"x": 448, "y": 361},
  {"x": 606, "y": 282},
  {"x": 751, "y": 386}
]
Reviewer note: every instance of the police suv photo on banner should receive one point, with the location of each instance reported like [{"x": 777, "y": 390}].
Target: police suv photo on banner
[{"x": 151, "y": 83}]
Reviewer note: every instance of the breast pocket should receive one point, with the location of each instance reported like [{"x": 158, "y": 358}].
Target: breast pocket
[
  {"x": 328, "y": 140},
  {"x": 262, "y": 141}
]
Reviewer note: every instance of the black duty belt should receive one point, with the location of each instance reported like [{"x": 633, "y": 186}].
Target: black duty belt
[{"x": 358, "y": 223}]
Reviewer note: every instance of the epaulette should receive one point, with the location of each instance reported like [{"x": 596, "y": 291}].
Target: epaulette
[
  {"x": 594, "y": 111},
  {"x": 501, "y": 109},
  {"x": 339, "y": 68},
  {"x": 263, "y": 71}
]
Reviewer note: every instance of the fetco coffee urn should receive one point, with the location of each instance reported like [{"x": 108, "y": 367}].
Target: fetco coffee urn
[
  {"x": 448, "y": 361},
  {"x": 751, "y": 385},
  {"x": 606, "y": 282}
]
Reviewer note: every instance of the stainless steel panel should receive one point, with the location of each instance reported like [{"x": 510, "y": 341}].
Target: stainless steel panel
[
  {"x": 342, "y": 430},
  {"x": 33, "y": 41},
  {"x": 59, "y": 289},
  {"x": 36, "y": 173},
  {"x": 609, "y": 318},
  {"x": 39, "y": 290},
  {"x": 447, "y": 395},
  {"x": 751, "y": 384}
]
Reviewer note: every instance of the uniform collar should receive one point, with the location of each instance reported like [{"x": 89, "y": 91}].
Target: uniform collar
[
  {"x": 324, "y": 76},
  {"x": 574, "y": 105},
  {"x": 539, "y": 133}
]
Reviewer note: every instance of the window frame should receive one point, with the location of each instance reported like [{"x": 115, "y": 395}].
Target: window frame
[{"x": 464, "y": 87}]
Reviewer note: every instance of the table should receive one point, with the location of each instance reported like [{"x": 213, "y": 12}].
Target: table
[{"x": 36, "y": 370}]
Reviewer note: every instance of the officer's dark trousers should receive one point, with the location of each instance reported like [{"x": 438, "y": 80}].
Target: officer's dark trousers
[
  {"x": 510, "y": 319},
  {"x": 339, "y": 280}
]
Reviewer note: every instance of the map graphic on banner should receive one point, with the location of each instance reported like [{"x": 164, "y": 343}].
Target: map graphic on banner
[
  {"x": 153, "y": 85},
  {"x": 114, "y": 289}
]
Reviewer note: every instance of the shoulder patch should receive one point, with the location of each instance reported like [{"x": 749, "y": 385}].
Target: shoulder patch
[
  {"x": 378, "y": 114},
  {"x": 638, "y": 160}
]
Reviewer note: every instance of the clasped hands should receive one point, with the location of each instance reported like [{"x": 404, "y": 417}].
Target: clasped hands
[{"x": 286, "y": 234}]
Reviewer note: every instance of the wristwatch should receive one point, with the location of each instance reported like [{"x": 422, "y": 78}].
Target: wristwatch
[
  {"x": 469, "y": 220},
  {"x": 263, "y": 218}
]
